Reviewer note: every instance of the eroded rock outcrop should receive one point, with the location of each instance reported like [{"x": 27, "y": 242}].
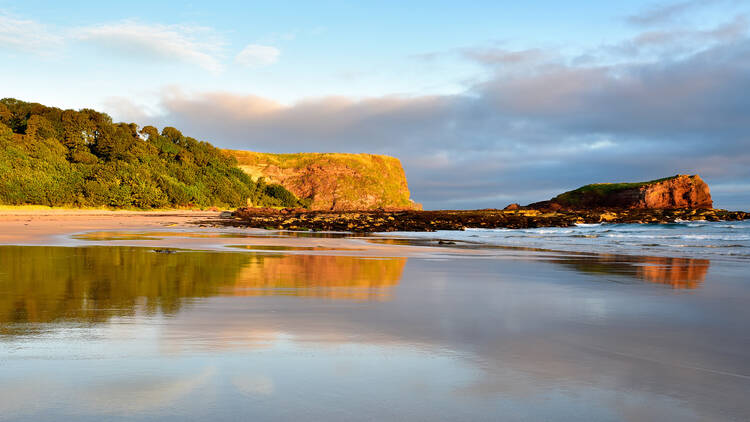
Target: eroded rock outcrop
[
  {"x": 680, "y": 191},
  {"x": 334, "y": 182}
]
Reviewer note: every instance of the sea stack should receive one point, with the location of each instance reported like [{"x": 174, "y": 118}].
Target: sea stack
[{"x": 680, "y": 191}]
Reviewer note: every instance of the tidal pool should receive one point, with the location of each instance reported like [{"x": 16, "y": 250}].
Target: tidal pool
[{"x": 123, "y": 333}]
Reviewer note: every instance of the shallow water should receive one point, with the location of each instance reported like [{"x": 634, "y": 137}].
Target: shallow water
[
  {"x": 109, "y": 236},
  {"x": 123, "y": 333},
  {"x": 696, "y": 239}
]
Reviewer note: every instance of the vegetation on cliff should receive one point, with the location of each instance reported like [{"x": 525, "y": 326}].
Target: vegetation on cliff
[
  {"x": 333, "y": 181},
  {"x": 55, "y": 157}
]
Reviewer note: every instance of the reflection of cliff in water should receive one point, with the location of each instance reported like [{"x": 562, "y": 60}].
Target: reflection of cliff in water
[
  {"x": 678, "y": 273},
  {"x": 335, "y": 277},
  {"x": 93, "y": 284}
]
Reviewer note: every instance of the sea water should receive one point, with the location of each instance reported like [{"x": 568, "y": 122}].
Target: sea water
[{"x": 692, "y": 239}]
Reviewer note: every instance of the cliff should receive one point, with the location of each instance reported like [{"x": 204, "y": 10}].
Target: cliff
[
  {"x": 680, "y": 191},
  {"x": 333, "y": 181}
]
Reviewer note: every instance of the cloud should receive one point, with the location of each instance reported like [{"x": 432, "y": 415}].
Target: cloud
[
  {"x": 258, "y": 55},
  {"x": 666, "y": 12},
  {"x": 532, "y": 129},
  {"x": 501, "y": 56},
  {"x": 154, "y": 42},
  {"x": 185, "y": 44},
  {"x": 678, "y": 41},
  {"x": 25, "y": 35}
]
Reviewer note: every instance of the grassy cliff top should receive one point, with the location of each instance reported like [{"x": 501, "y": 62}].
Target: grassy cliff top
[
  {"x": 302, "y": 159},
  {"x": 602, "y": 189}
]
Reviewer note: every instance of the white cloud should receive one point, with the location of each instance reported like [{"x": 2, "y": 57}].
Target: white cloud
[
  {"x": 26, "y": 35},
  {"x": 183, "y": 43},
  {"x": 258, "y": 55}
]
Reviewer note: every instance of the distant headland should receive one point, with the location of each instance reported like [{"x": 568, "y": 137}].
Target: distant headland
[{"x": 680, "y": 191}]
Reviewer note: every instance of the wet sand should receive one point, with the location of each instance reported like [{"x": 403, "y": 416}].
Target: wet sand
[
  {"x": 38, "y": 227},
  {"x": 277, "y": 327},
  {"x": 171, "y": 229}
]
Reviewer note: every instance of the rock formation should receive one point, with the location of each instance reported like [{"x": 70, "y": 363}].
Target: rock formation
[
  {"x": 389, "y": 221},
  {"x": 680, "y": 191},
  {"x": 334, "y": 182}
]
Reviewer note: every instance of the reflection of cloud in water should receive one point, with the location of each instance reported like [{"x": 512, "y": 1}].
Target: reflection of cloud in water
[
  {"x": 120, "y": 394},
  {"x": 17, "y": 397},
  {"x": 141, "y": 393},
  {"x": 253, "y": 385}
]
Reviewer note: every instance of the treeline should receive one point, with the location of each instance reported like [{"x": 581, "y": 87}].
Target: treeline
[{"x": 55, "y": 157}]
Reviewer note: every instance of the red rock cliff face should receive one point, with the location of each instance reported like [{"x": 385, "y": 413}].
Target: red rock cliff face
[
  {"x": 332, "y": 181},
  {"x": 680, "y": 191}
]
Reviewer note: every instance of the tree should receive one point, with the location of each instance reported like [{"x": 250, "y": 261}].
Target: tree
[
  {"x": 40, "y": 128},
  {"x": 174, "y": 135},
  {"x": 65, "y": 157},
  {"x": 150, "y": 132},
  {"x": 5, "y": 114}
]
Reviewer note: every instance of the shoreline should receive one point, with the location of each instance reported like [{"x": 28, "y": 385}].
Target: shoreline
[
  {"x": 214, "y": 231},
  {"x": 189, "y": 230},
  {"x": 430, "y": 221}
]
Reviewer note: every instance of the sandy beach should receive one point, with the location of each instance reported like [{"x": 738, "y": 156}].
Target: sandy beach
[
  {"x": 176, "y": 229},
  {"x": 39, "y": 226}
]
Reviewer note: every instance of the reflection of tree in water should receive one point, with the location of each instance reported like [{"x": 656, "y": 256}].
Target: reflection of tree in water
[
  {"x": 44, "y": 284},
  {"x": 93, "y": 284},
  {"x": 678, "y": 273}
]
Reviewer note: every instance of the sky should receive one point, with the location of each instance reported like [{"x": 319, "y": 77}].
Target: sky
[{"x": 485, "y": 102}]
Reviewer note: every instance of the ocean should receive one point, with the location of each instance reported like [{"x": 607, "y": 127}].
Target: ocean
[{"x": 688, "y": 239}]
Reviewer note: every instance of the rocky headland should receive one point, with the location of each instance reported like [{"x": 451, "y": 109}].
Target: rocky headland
[
  {"x": 333, "y": 181},
  {"x": 677, "y": 198},
  {"x": 680, "y": 191}
]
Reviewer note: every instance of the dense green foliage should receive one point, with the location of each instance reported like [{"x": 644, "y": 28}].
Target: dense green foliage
[
  {"x": 55, "y": 157},
  {"x": 601, "y": 190}
]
